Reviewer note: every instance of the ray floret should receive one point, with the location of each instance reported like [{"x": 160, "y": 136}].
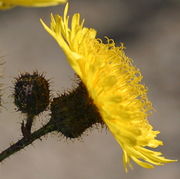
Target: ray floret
[
  {"x": 114, "y": 85},
  {"x": 7, "y": 4}
]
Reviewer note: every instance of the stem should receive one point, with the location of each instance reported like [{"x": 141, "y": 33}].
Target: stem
[
  {"x": 22, "y": 143},
  {"x": 29, "y": 123},
  {"x": 26, "y": 129}
]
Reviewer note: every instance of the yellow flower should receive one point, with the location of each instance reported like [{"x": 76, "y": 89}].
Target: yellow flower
[
  {"x": 6, "y": 4},
  {"x": 113, "y": 83}
]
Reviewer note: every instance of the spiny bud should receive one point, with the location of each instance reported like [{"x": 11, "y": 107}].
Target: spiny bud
[
  {"x": 74, "y": 112},
  {"x": 31, "y": 93}
]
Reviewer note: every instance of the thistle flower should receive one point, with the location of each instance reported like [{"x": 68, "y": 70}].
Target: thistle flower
[
  {"x": 6, "y": 4},
  {"x": 113, "y": 84}
]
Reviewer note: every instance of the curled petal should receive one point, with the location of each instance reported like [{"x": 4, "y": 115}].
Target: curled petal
[{"x": 114, "y": 84}]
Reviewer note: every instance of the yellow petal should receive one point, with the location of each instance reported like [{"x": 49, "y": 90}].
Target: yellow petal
[
  {"x": 6, "y": 4},
  {"x": 114, "y": 84}
]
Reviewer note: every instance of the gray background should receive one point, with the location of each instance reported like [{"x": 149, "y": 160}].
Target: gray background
[{"x": 151, "y": 33}]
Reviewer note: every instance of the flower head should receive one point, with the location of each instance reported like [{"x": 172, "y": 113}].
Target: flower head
[
  {"x": 6, "y": 4},
  {"x": 113, "y": 83}
]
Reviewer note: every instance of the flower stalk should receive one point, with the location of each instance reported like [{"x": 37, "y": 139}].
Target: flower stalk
[
  {"x": 25, "y": 141},
  {"x": 26, "y": 128}
]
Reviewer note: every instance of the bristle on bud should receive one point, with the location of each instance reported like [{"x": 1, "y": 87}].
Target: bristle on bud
[
  {"x": 74, "y": 112},
  {"x": 31, "y": 93}
]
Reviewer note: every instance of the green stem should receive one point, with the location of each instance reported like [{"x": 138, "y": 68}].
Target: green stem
[{"x": 22, "y": 143}]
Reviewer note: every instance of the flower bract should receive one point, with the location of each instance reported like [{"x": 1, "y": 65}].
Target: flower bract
[
  {"x": 6, "y": 4},
  {"x": 114, "y": 85},
  {"x": 31, "y": 93}
]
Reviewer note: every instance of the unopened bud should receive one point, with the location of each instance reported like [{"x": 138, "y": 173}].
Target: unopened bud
[{"x": 31, "y": 93}]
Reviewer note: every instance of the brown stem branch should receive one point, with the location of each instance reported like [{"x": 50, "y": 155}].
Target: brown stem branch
[
  {"x": 22, "y": 143},
  {"x": 29, "y": 123},
  {"x": 26, "y": 128}
]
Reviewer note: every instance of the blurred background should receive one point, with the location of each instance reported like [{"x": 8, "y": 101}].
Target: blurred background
[{"x": 151, "y": 32}]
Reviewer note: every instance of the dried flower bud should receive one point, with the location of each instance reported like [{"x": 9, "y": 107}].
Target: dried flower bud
[
  {"x": 31, "y": 93},
  {"x": 74, "y": 112}
]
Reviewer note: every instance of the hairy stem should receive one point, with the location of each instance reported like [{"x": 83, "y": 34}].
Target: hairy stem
[
  {"x": 29, "y": 123},
  {"x": 26, "y": 128},
  {"x": 22, "y": 143}
]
